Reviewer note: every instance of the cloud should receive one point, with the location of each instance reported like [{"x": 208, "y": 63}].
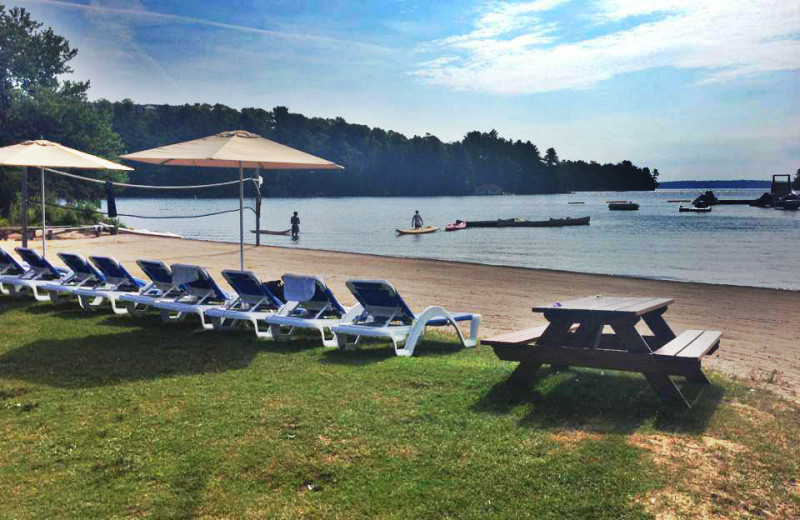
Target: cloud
[
  {"x": 512, "y": 50},
  {"x": 138, "y": 12}
]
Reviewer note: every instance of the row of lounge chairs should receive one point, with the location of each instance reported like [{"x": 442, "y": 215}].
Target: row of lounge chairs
[{"x": 181, "y": 290}]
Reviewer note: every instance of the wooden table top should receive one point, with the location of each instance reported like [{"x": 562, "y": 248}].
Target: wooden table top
[{"x": 605, "y": 306}]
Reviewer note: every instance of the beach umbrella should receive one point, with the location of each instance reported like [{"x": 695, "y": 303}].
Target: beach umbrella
[
  {"x": 47, "y": 154},
  {"x": 233, "y": 149}
]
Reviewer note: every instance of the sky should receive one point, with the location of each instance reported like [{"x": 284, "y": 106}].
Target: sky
[{"x": 700, "y": 89}]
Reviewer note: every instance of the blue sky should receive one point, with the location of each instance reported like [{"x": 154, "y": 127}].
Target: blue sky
[{"x": 698, "y": 89}]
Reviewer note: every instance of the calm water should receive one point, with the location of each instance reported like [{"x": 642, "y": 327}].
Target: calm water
[{"x": 732, "y": 245}]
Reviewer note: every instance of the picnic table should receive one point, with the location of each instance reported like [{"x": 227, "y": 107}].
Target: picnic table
[{"x": 575, "y": 336}]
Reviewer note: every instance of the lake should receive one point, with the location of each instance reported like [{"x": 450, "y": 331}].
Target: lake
[{"x": 736, "y": 245}]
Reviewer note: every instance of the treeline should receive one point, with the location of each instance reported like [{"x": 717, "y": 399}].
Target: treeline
[{"x": 378, "y": 162}]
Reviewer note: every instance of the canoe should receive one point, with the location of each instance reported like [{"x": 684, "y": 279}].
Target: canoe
[
  {"x": 417, "y": 231},
  {"x": 693, "y": 209},
  {"x": 623, "y": 206},
  {"x": 518, "y": 222},
  {"x": 455, "y": 226},
  {"x": 268, "y": 232}
]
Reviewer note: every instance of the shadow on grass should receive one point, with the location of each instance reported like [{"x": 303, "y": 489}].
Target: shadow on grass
[
  {"x": 374, "y": 351},
  {"x": 151, "y": 352},
  {"x": 609, "y": 402}
]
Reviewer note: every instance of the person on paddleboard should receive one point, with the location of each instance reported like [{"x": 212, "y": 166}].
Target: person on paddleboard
[
  {"x": 416, "y": 220},
  {"x": 295, "y": 225}
]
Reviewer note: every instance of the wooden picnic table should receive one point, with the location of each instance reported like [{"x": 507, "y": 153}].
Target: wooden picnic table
[{"x": 574, "y": 336}]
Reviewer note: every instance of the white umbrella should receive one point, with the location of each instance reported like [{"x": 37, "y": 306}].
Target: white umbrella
[
  {"x": 47, "y": 154},
  {"x": 234, "y": 149}
]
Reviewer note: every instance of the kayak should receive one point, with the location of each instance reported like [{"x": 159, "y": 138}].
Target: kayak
[
  {"x": 693, "y": 209},
  {"x": 268, "y": 232},
  {"x": 418, "y": 231},
  {"x": 455, "y": 226}
]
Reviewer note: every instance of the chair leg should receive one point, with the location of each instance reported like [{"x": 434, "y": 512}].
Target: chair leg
[
  {"x": 134, "y": 309},
  {"x": 117, "y": 308}
]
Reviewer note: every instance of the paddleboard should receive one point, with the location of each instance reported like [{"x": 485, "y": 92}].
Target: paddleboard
[
  {"x": 268, "y": 232},
  {"x": 418, "y": 231}
]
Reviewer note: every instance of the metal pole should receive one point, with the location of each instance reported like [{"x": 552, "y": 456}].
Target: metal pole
[
  {"x": 258, "y": 208},
  {"x": 44, "y": 226},
  {"x": 241, "y": 216},
  {"x": 24, "y": 207}
]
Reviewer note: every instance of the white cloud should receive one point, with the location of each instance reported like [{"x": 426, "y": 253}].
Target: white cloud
[{"x": 511, "y": 50}]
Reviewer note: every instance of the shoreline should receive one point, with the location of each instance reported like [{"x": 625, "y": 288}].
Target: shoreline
[
  {"x": 759, "y": 325},
  {"x": 465, "y": 262}
]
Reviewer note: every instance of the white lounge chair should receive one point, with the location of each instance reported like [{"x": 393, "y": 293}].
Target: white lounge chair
[
  {"x": 386, "y": 315},
  {"x": 161, "y": 286},
  {"x": 118, "y": 282},
  {"x": 41, "y": 272},
  {"x": 253, "y": 303},
  {"x": 200, "y": 294},
  {"x": 10, "y": 269},
  {"x": 310, "y": 304},
  {"x": 84, "y": 275}
]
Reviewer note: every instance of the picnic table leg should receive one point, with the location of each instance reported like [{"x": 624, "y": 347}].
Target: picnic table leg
[
  {"x": 656, "y": 322},
  {"x": 589, "y": 334},
  {"x": 524, "y": 374},
  {"x": 557, "y": 333},
  {"x": 660, "y": 382}
]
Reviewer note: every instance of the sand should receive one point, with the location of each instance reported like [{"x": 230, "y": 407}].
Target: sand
[{"x": 761, "y": 327}]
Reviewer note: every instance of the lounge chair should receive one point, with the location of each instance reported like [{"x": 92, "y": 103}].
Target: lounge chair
[
  {"x": 200, "y": 293},
  {"x": 161, "y": 286},
  {"x": 118, "y": 281},
  {"x": 386, "y": 315},
  {"x": 84, "y": 275},
  {"x": 41, "y": 272},
  {"x": 310, "y": 304},
  {"x": 10, "y": 269},
  {"x": 253, "y": 303}
]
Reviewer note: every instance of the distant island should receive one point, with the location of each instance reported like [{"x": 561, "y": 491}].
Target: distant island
[
  {"x": 378, "y": 162},
  {"x": 718, "y": 184}
]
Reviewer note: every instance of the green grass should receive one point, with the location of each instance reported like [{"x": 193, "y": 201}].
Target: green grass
[{"x": 113, "y": 417}]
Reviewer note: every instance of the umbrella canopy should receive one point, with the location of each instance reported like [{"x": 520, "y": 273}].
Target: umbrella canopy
[
  {"x": 47, "y": 154},
  {"x": 234, "y": 149}
]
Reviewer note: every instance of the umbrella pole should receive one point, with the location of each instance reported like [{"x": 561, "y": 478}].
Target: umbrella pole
[
  {"x": 44, "y": 226},
  {"x": 241, "y": 216}
]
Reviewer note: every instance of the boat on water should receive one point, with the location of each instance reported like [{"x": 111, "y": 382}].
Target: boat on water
[
  {"x": 694, "y": 209},
  {"x": 518, "y": 222},
  {"x": 791, "y": 204},
  {"x": 418, "y": 231},
  {"x": 623, "y": 206},
  {"x": 269, "y": 232},
  {"x": 455, "y": 226}
]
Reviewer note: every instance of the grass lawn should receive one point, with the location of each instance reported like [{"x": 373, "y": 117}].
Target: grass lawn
[{"x": 114, "y": 417}]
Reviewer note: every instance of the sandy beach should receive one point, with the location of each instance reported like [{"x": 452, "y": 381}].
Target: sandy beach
[{"x": 761, "y": 335}]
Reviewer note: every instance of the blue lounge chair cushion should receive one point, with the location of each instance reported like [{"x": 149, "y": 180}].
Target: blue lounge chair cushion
[
  {"x": 249, "y": 287},
  {"x": 9, "y": 264},
  {"x": 381, "y": 300},
  {"x": 81, "y": 266},
  {"x": 305, "y": 289},
  {"x": 158, "y": 272},
  {"x": 36, "y": 261},
  {"x": 114, "y": 270}
]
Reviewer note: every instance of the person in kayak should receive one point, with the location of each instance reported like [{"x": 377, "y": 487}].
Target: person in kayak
[
  {"x": 295, "y": 225},
  {"x": 416, "y": 220}
]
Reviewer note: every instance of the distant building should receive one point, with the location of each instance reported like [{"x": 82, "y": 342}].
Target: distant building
[
  {"x": 489, "y": 189},
  {"x": 145, "y": 109}
]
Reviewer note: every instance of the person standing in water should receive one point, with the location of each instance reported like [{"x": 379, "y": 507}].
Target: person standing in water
[
  {"x": 295, "y": 225},
  {"x": 416, "y": 220}
]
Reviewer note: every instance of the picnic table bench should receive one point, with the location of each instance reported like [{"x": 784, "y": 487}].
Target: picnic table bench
[{"x": 575, "y": 336}]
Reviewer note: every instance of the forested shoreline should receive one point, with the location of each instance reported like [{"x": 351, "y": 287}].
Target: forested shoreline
[
  {"x": 37, "y": 103},
  {"x": 377, "y": 162}
]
